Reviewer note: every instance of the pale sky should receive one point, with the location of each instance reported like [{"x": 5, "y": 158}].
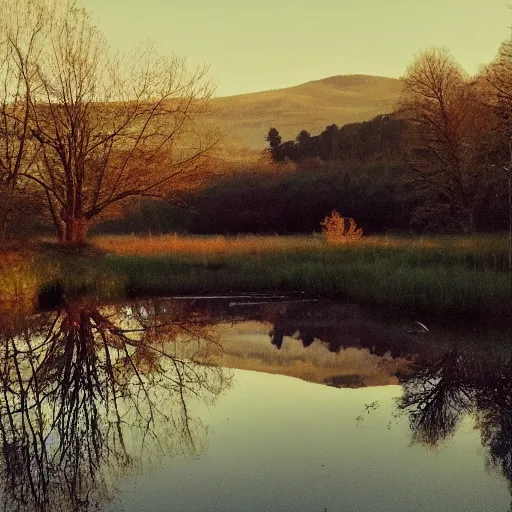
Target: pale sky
[{"x": 269, "y": 44}]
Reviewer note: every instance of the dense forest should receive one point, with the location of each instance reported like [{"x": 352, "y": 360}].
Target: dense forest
[{"x": 380, "y": 139}]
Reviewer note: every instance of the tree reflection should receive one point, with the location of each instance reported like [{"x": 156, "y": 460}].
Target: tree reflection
[
  {"x": 494, "y": 418},
  {"x": 436, "y": 396},
  {"x": 441, "y": 389},
  {"x": 87, "y": 392}
]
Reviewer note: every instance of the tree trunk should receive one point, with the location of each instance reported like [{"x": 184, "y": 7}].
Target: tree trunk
[
  {"x": 4, "y": 226},
  {"x": 468, "y": 222},
  {"x": 74, "y": 231},
  {"x": 6, "y": 213}
]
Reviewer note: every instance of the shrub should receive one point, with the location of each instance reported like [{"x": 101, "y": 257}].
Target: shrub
[{"x": 336, "y": 228}]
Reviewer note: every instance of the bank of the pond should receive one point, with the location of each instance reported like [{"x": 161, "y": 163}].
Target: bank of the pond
[{"x": 465, "y": 277}]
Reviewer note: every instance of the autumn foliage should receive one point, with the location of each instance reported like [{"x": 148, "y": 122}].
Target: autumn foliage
[{"x": 336, "y": 229}]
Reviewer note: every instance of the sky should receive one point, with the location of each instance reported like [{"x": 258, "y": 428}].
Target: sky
[{"x": 270, "y": 44}]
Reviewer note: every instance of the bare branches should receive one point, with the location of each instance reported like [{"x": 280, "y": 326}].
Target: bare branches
[
  {"x": 21, "y": 41},
  {"x": 105, "y": 126},
  {"x": 448, "y": 132},
  {"x": 75, "y": 384}
]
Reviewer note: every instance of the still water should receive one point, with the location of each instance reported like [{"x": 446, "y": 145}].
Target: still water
[{"x": 250, "y": 403}]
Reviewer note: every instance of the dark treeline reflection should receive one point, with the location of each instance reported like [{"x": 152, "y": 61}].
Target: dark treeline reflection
[
  {"x": 88, "y": 394},
  {"x": 440, "y": 389},
  {"x": 335, "y": 324},
  {"x": 338, "y": 326}
]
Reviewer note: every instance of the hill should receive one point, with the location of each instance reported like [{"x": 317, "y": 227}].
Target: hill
[{"x": 312, "y": 106}]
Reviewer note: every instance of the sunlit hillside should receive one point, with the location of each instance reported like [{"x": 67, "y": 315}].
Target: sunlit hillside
[{"x": 311, "y": 106}]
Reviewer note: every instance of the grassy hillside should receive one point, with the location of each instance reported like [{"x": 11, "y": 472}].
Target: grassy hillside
[{"x": 311, "y": 106}]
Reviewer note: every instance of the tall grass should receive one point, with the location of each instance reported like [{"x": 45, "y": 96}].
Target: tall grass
[
  {"x": 445, "y": 276},
  {"x": 19, "y": 283},
  {"x": 81, "y": 273},
  {"x": 29, "y": 275},
  {"x": 462, "y": 276},
  {"x": 206, "y": 245},
  {"x": 480, "y": 251}
]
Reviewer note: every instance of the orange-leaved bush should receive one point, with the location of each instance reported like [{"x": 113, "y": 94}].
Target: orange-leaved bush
[{"x": 336, "y": 228}]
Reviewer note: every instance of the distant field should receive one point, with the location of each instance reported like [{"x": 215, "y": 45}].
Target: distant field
[
  {"x": 493, "y": 247},
  {"x": 311, "y": 106}
]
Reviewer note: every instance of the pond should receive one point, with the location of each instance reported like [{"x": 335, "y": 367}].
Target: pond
[{"x": 250, "y": 403}]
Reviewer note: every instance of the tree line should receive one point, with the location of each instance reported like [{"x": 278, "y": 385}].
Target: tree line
[
  {"x": 450, "y": 131},
  {"x": 376, "y": 140}
]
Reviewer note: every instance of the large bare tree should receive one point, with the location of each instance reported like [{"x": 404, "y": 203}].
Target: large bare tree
[
  {"x": 498, "y": 77},
  {"x": 448, "y": 137},
  {"x": 104, "y": 127}
]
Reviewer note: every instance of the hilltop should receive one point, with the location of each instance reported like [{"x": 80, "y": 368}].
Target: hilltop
[{"x": 311, "y": 106}]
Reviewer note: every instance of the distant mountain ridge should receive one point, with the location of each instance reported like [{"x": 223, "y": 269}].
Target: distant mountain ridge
[{"x": 312, "y": 106}]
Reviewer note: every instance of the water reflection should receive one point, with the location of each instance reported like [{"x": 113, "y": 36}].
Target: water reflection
[
  {"x": 90, "y": 394},
  {"x": 86, "y": 392},
  {"x": 444, "y": 378},
  {"x": 318, "y": 341},
  {"x": 336, "y": 325},
  {"x": 440, "y": 389}
]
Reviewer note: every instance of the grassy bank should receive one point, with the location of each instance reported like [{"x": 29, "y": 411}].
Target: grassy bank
[{"x": 443, "y": 276}]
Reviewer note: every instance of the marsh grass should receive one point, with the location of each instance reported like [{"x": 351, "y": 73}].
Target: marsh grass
[
  {"x": 19, "y": 283},
  {"x": 75, "y": 272},
  {"x": 215, "y": 245},
  {"x": 443, "y": 276},
  {"x": 464, "y": 277},
  {"x": 486, "y": 252}
]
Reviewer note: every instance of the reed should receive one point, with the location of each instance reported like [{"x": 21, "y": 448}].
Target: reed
[
  {"x": 19, "y": 283},
  {"x": 445, "y": 276}
]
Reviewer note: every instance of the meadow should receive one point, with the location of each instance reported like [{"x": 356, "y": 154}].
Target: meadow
[{"x": 444, "y": 276}]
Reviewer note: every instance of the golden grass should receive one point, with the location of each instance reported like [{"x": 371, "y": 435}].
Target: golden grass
[
  {"x": 247, "y": 346},
  {"x": 445, "y": 276},
  {"x": 19, "y": 283},
  {"x": 311, "y": 106},
  {"x": 254, "y": 244},
  {"x": 176, "y": 244}
]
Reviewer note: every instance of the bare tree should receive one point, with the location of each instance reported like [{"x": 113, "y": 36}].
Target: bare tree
[
  {"x": 21, "y": 40},
  {"x": 498, "y": 76},
  {"x": 108, "y": 128},
  {"x": 448, "y": 136}
]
